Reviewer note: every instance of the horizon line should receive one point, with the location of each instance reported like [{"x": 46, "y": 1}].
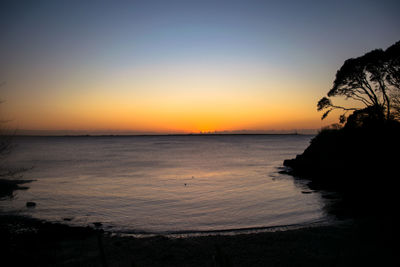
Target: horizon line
[
  {"x": 27, "y": 132},
  {"x": 155, "y": 135}
]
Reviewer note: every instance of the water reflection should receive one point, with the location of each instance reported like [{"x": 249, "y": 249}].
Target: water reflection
[{"x": 165, "y": 184}]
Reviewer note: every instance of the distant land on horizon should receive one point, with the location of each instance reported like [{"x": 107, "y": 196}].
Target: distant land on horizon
[
  {"x": 114, "y": 132},
  {"x": 180, "y": 67}
]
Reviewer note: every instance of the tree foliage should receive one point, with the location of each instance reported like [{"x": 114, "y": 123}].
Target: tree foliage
[{"x": 373, "y": 80}]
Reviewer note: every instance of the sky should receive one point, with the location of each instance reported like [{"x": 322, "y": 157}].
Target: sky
[{"x": 180, "y": 66}]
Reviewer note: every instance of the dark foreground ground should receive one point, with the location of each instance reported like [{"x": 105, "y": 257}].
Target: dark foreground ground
[
  {"x": 361, "y": 241},
  {"x": 29, "y": 242}
]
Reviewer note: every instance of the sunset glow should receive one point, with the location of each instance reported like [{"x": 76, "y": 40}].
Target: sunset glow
[{"x": 178, "y": 68}]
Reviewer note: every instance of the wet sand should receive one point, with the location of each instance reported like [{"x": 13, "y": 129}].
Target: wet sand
[{"x": 361, "y": 242}]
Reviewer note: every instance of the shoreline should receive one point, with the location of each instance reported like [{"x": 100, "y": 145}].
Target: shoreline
[
  {"x": 328, "y": 220},
  {"x": 41, "y": 243},
  {"x": 8, "y": 186},
  {"x": 29, "y": 241},
  {"x": 226, "y": 232},
  {"x": 360, "y": 241}
]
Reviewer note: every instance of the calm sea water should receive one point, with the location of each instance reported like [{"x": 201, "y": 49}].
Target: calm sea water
[{"x": 164, "y": 184}]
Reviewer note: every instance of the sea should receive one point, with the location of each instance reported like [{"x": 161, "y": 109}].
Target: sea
[{"x": 147, "y": 185}]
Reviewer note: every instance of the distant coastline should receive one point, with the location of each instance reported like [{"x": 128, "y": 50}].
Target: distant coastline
[
  {"x": 163, "y": 135},
  {"x": 24, "y": 132}
]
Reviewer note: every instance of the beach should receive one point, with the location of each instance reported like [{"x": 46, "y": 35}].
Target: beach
[
  {"x": 27, "y": 239},
  {"x": 199, "y": 133},
  {"x": 361, "y": 242},
  {"x": 163, "y": 184}
]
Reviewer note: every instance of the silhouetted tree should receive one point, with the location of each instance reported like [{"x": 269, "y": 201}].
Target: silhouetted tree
[
  {"x": 373, "y": 80},
  {"x": 396, "y": 105}
]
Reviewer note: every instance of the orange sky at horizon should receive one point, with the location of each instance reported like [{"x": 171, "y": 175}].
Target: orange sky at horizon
[
  {"x": 182, "y": 100},
  {"x": 180, "y": 66},
  {"x": 179, "y": 112}
]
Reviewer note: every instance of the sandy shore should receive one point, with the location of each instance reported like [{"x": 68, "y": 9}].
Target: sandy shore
[{"x": 363, "y": 242}]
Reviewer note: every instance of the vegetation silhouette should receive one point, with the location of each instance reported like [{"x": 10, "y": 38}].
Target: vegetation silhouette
[
  {"x": 353, "y": 159},
  {"x": 358, "y": 157},
  {"x": 372, "y": 80}
]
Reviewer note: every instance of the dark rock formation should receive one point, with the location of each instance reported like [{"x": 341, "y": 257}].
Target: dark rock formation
[
  {"x": 358, "y": 162},
  {"x": 30, "y": 204}
]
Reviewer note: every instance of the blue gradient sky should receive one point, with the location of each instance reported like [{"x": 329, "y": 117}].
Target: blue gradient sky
[{"x": 180, "y": 66}]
